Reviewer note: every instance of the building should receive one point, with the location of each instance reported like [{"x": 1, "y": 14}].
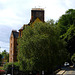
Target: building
[
  {"x": 37, "y": 15},
  {"x": 13, "y": 46}
]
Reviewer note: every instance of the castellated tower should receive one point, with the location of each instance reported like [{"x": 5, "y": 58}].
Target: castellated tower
[{"x": 37, "y": 13}]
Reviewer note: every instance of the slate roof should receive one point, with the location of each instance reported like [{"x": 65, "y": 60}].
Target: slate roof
[
  {"x": 23, "y": 27},
  {"x": 15, "y": 34}
]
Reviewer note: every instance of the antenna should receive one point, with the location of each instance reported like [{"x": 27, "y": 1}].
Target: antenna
[
  {"x": 39, "y": 6},
  {"x": 44, "y": 7},
  {"x": 35, "y": 6}
]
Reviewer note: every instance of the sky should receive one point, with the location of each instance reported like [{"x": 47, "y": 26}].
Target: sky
[{"x": 15, "y": 13}]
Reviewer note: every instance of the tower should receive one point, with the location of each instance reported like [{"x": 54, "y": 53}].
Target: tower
[{"x": 37, "y": 13}]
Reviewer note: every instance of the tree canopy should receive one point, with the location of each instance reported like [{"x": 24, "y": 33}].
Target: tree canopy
[
  {"x": 69, "y": 37},
  {"x": 66, "y": 20},
  {"x": 40, "y": 47},
  {"x": 66, "y": 23},
  {"x": 5, "y": 55}
]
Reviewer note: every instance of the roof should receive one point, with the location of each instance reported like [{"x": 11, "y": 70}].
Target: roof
[
  {"x": 15, "y": 33},
  {"x": 36, "y": 21},
  {"x": 23, "y": 27}
]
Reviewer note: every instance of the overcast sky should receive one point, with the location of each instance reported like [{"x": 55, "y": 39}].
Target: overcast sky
[{"x": 15, "y": 13}]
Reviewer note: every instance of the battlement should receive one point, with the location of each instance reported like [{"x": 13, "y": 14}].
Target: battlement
[
  {"x": 14, "y": 30},
  {"x": 37, "y": 9}
]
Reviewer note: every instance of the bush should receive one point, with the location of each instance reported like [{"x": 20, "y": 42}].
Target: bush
[
  {"x": 8, "y": 68},
  {"x": 1, "y": 68}
]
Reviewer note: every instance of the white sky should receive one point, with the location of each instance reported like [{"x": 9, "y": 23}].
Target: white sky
[{"x": 15, "y": 13}]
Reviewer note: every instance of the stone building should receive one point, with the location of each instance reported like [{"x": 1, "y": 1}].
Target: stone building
[
  {"x": 37, "y": 15},
  {"x": 13, "y": 46}
]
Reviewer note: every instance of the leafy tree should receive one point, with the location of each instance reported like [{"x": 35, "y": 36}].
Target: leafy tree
[
  {"x": 5, "y": 55},
  {"x": 40, "y": 48},
  {"x": 66, "y": 23},
  {"x": 66, "y": 20},
  {"x": 69, "y": 37},
  {"x": 51, "y": 22}
]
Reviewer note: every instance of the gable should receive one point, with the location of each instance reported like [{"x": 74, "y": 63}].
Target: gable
[
  {"x": 36, "y": 21},
  {"x": 14, "y": 34}
]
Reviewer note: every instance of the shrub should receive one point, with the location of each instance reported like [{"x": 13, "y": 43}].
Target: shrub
[{"x": 8, "y": 67}]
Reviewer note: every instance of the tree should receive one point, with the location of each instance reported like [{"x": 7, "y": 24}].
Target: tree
[
  {"x": 40, "y": 48},
  {"x": 66, "y": 20},
  {"x": 66, "y": 23},
  {"x": 69, "y": 37},
  {"x": 5, "y": 55}
]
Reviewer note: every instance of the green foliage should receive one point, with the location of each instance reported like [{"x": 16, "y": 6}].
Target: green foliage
[
  {"x": 1, "y": 68},
  {"x": 51, "y": 22},
  {"x": 5, "y": 55},
  {"x": 69, "y": 37},
  {"x": 66, "y": 24},
  {"x": 5, "y": 66},
  {"x": 40, "y": 47},
  {"x": 70, "y": 33},
  {"x": 8, "y": 67},
  {"x": 66, "y": 20}
]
